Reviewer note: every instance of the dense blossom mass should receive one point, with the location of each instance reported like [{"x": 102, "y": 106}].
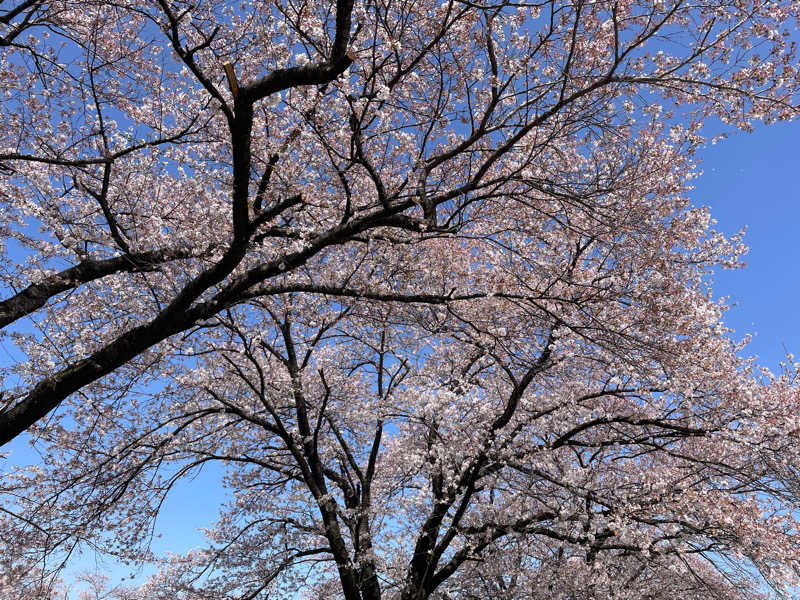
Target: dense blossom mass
[{"x": 423, "y": 277}]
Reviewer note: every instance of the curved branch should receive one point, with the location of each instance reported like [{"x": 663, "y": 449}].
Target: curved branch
[{"x": 36, "y": 295}]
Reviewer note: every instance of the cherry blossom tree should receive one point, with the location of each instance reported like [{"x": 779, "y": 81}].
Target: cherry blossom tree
[{"x": 424, "y": 277}]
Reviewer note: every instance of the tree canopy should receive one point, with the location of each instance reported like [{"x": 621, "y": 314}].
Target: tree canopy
[{"x": 423, "y": 276}]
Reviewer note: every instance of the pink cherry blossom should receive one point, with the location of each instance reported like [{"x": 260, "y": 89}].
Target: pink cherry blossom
[{"x": 424, "y": 277}]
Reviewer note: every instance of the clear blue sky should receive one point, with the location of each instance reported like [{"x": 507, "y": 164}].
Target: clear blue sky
[{"x": 753, "y": 180}]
